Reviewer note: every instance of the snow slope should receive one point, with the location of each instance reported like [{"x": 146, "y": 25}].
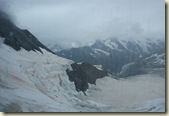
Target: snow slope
[
  {"x": 36, "y": 82},
  {"x": 32, "y": 77}
]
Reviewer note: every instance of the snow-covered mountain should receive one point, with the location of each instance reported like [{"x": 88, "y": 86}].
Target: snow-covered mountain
[
  {"x": 113, "y": 54},
  {"x": 145, "y": 46},
  {"x": 16, "y": 37},
  {"x": 154, "y": 64},
  {"x": 34, "y": 79}
]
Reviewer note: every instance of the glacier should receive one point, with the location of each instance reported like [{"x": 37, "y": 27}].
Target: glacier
[{"x": 38, "y": 82}]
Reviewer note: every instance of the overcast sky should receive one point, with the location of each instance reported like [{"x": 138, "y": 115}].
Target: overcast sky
[{"x": 66, "y": 21}]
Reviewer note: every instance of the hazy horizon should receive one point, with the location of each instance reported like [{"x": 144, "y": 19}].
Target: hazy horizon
[{"x": 84, "y": 21}]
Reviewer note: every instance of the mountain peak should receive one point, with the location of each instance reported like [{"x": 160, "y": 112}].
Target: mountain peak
[{"x": 18, "y": 38}]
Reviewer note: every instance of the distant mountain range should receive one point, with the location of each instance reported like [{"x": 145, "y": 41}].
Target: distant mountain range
[{"x": 113, "y": 54}]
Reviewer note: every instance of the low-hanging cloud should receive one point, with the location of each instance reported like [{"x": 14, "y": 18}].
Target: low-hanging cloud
[{"x": 65, "y": 21}]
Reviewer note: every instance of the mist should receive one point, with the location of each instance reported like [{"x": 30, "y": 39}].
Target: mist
[{"x": 84, "y": 21}]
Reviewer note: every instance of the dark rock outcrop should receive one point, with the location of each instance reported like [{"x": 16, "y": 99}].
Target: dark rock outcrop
[
  {"x": 18, "y": 38},
  {"x": 84, "y": 73}
]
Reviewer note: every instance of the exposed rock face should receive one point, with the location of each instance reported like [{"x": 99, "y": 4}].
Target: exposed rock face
[
  {"x": 17, "y": 38},
  {"x": 84, "y": 73}
]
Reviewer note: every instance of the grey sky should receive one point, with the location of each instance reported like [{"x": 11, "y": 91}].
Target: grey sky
[{"x": 64, "y": 21}]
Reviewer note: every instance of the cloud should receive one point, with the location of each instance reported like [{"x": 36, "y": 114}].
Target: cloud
[{"x": 65, "y": 21}]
